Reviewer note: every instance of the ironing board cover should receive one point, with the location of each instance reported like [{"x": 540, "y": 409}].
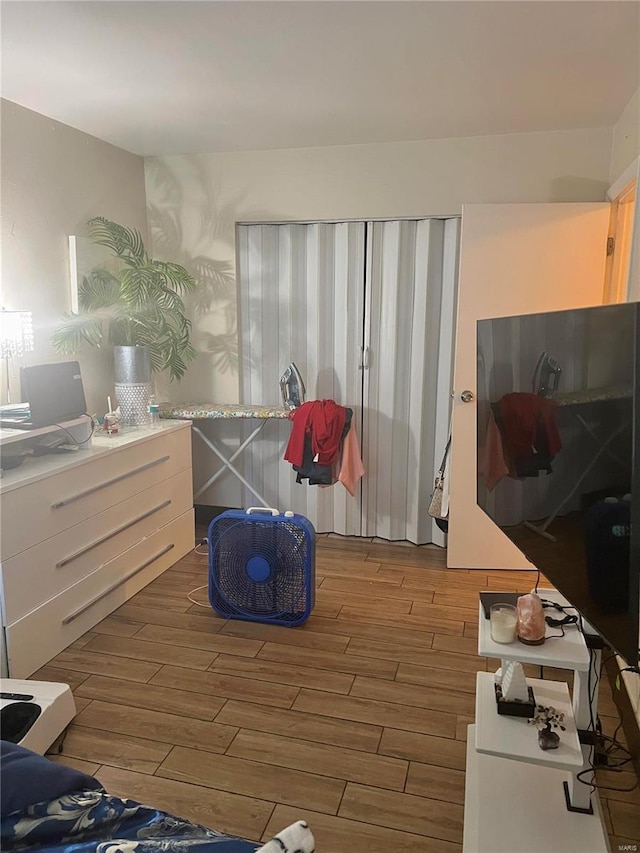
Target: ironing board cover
[{"x": 198, "y": 411}]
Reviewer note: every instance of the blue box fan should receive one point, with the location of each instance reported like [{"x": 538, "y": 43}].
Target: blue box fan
[{"x": 262, "y": 566}]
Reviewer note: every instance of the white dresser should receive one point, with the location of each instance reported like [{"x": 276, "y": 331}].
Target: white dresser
[{"x": 83, "y": 532}]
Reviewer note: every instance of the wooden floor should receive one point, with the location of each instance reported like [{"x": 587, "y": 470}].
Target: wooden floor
[{"x": 356, "y": 721}]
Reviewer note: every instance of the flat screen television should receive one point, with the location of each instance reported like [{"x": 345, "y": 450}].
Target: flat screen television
[{"x": 558, "y": 426}]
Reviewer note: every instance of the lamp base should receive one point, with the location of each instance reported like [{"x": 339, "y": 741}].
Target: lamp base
[{"x": 133, "y": 399}]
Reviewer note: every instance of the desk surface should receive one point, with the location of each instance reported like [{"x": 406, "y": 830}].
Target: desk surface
[
  {"x": 37, "y": 467},
  {"x": 202, "y": 411},
  {"x": 11, "y": 436}
]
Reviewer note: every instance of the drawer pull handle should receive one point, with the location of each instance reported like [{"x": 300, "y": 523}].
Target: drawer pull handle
[
  {"x": 111, "y": 534},
  {"x": 72, "y": 616},
  {"x": 106, "y": 483}
]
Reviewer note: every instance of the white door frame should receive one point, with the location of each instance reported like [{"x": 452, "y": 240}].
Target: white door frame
[{"x": 629, "y": 179}]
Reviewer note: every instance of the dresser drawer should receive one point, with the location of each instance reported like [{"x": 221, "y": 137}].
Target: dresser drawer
[
  {"x": 36, "y": 638},
  {"x": 34, "y": 576},
  {"x": 42, "y": 509}
]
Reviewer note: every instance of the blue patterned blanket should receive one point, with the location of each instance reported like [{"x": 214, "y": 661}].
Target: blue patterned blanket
[
  {"x": 96, "y": 822},
  {"x": 49, "y": 808},
  {"x": 57, "y": 809}
]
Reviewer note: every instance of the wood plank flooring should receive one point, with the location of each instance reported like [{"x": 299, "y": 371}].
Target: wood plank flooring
[{"x": 356, "y": 721}]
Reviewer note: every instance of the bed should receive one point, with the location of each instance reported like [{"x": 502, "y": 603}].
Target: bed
[{"x": 58, "y": 809}]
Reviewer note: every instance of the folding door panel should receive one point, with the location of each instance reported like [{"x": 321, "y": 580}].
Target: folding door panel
[
  {"x": 301, "y": 299},
  {"x": 407, "y": 376}
]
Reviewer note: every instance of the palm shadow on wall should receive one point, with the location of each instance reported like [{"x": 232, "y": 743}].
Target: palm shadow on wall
[{"x": 215, "y": 296}]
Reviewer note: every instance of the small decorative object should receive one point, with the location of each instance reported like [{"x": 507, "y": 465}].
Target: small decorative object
[
  {"x": 514, "y": 697},
  {"x": 514, "y": 684},
  {"x": 16, "y": 338},
  {"x": 545, "y": 720},
  {"x": 111, "y": 420},
  {"x": 503, "y": 622},
  {"x": 531, "y": 624}
]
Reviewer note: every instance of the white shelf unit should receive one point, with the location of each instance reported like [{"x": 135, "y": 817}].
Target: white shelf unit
[
  {"x": 513, "y": 737},
  {"x": 568, "y": 652},
  {"x": 513, "y": 807},
  {"x": 516, "y": 794}
]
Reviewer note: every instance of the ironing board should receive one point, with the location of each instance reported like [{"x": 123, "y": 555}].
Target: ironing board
[{"x": 213, "y": 411}]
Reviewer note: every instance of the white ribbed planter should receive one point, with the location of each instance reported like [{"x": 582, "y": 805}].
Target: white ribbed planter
[{"x": 132, "y": 384}]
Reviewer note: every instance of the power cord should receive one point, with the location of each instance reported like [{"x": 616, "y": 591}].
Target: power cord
[
  {"x": 200, "y": 542},
  {"x": 613, "y": 737},
  {"x": 630, "y": 669},
  {"x": 594, "y": 725},
  {"x": 72, "y": 437},
  {"x": 567, "y": 619},
  {"x": 555, "y": 623},
  {"x": 602, "y": 787},
  {"x": 204, "y": 553},
  {"x": 596, "y": 728},
  {"x": 199, "y": 603}
]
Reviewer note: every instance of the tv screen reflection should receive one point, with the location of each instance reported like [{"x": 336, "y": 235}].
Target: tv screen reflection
[{"x": 557, "y": 394}]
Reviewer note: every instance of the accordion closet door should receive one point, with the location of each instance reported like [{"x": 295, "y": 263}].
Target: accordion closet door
[
  {"x": 301, "y": 299},
  {"x": 365, "y": 309}
]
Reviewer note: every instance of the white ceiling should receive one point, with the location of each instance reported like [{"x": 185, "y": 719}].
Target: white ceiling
[{"x": 185, "y": 77}]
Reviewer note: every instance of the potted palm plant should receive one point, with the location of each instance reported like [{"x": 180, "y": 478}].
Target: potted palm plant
[{"x": 137, "y": 308}]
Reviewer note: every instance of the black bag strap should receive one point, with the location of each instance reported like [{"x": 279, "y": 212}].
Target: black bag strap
[{"x": 444, "y": 458}]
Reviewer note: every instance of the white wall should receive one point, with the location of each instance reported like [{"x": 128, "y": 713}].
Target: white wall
[
  {"x": 625, "y": 143},
  {"x": 54, "y": 179},
  {"x": 195, "y": 201}
]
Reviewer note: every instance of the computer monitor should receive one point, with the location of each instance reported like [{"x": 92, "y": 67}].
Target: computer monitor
[{"x": 54, "y": 392}]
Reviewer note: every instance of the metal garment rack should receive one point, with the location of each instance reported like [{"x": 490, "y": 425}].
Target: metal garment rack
[{"x": 227, "y": 411}]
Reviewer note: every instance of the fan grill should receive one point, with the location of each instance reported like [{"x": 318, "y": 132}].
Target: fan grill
[{"x": 260, "y": 570}]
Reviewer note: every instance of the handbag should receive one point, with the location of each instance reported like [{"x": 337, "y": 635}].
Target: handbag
[{"x": 435, "y": 504}]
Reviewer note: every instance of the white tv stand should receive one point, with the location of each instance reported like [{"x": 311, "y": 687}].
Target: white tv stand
[
  {"x": 84, "y": 531},
  {"x": 518, "y": 798}
]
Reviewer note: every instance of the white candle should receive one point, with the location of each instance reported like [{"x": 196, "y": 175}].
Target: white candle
[{"x": 504, "y": 621}]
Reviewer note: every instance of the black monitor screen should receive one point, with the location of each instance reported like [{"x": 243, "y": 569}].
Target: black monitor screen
[{"x": 559, "y": 454}]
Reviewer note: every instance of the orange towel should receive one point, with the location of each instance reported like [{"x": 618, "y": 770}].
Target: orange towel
[
  {"x": 351, "y": 467},
  {"x": 491, "y": 462}
]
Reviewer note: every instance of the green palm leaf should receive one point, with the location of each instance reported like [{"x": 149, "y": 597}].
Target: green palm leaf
[
  {"x": 97, "y": 290},
  {"x": 124, "y": 242},
  {"x": 139, "y": 304},
  {"x": 76, "y": 330}
]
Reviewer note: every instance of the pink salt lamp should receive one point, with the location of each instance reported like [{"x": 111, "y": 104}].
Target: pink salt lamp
[{"x": 531, "y": 624}]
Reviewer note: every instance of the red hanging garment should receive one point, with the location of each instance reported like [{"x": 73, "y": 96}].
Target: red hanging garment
[{"x": 323, "y": 421}]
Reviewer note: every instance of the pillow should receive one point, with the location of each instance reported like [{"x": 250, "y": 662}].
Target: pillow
[{"x": 27, "y": 778}]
